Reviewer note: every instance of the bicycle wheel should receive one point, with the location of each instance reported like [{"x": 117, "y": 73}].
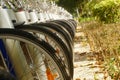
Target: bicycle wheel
[
  {"x": 68, "y": 23},
  {"x": 61, "y": 50},
  {"x": 59, "y": 31},
  {"x": 61, "y": 27},
  {"x": 31, "y": 67},
  {"x": 66, "y": 26},
  {"x": 73, "y": 22}
]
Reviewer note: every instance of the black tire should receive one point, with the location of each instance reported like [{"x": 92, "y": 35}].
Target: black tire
[
  {"x": 28, "y": 38},
  {"x": 69, "y": 23},
  {"x": 66, "y": 26},
  {"x": 58, "y": 28},
  {"x": 73, "y": 22},
  {"x": 41, "y": 29}
]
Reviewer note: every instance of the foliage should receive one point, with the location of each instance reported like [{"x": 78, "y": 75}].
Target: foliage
[
  {"x": 85, "y": 19},
  {"x": 69, "y": 5},
  {"x": 86, "y": 7},
  {"x": 72, "y": 5},
  {"x": 107, "y": 11},
  {"x": 85, "y": 10},
  {"x": 105, "y": 39}
]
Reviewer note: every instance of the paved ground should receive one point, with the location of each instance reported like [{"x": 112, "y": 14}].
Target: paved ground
[{"x": 85, "y": 65}]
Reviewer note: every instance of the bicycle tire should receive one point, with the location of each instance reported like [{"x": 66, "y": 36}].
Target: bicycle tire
[
  {"x": 66, "y": 26},
  {"x": 73, "y": 22},
  {"x": 38, "y": 29},
  {"x": 28, "y": 38},
  {"x": 63, "y": 28},
  {"x": 68, "y": 23},
  {"x": 59, "y": 30}
]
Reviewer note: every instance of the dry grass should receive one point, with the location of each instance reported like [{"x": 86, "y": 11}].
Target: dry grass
[{"x": 105, "y": 40}]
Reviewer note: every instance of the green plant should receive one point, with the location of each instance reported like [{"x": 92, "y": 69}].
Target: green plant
[
  {"x": 107, "y": 11},
  {"x": 87, "y": 19}
]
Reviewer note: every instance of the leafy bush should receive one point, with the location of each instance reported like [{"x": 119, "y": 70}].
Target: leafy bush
[{"x": 107, "y": 11}]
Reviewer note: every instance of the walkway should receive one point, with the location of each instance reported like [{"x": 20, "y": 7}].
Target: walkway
[{"x": 86, "y": 67}]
